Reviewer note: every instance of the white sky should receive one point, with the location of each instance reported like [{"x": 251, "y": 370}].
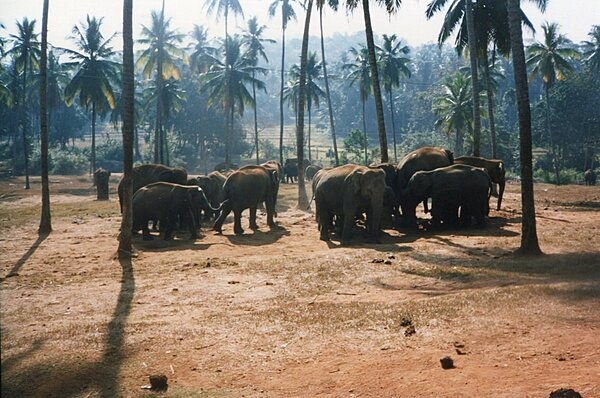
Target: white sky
[{"x": 575, "y": 18}]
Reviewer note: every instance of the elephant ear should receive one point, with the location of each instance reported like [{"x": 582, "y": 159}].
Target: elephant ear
[
  {"x": 354, "y": 181},
  {"x": 274, "y": 176}
]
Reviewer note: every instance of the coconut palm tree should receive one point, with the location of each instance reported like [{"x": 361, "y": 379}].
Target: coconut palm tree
[
  {"x": 287, "y": 14},
  {"x": 591, "y": 50},
  {"x": 302, "y": 197},
  {"x": 225, "y": 84},
  {"x": 26, "y": 52},
  {"x": 202, "y": 51},
  {"x": 550, "y": 60},
  {"x": 391, "y": 7},
  {"x": 95, "y": 73},
  {"x": 529, "y": 239},
  {"x": 222, "y": 8},
  {"x": 160, "y": 57},
  {"x": 125, "y": 246},
  {"x": 334, "y": 6},
  {"x": 253, "y": 41},
  {"x": 45, "y": 219},
  {"x": 454, "y": 108},
  {"x": 392, "y": 66},
  {"x": 359, "y": 72}
]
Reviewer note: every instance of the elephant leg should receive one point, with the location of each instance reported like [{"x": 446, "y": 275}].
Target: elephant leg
[
  {"x": 237, "y": 222},
  {"x": 146, "y": 232},
  {"x": 169, "y": 224},
  {"x": 192, "y": 225},
  {"x": 325, "y": 219},
  {"x": 253, "y": 224},
  {"x": 348, "y": 224}
]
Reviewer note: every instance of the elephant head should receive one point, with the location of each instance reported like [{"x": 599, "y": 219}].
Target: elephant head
[
  {"x": 494, "y": 167},
  {"x": 364, "y": 192}
]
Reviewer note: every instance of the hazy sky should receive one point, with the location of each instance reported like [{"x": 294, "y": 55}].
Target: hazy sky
[{"x": 575, "y": 18}]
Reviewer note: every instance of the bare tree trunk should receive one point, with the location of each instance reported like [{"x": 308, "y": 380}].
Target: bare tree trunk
[
  {"x": 375, "y": 82},
  {"x": 327, "y": 92},
  {"x": 93, "y": 160},
  {"x": 529, "y": 239},
  {"x": 474, "y": 77},
  {"x": 490, "y": 104},
  {"x": 45, "y": 219},
  {"x": 125, "y": 244},
  {"x": 302, "y": 197},
  {"x": 281, "y": 88}
]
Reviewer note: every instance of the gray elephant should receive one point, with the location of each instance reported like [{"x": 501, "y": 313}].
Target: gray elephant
[
  {"x": 495, "y": 169},
  {"x": 390, "y": 202},
  {"x": 101, "y": 177},
  {"x": 290, "y": 169},
  {"x": 148, "y": 173},
  {"x": 311, "y": 170},
  {"x": 167, "y": 203},
  {"x": 212, "y": 185},
  {"x": 346, "y": 191},
  {"x": 451, "y": 188},
  {"x": 589, "y": 177},
  {"x": 247, "y": 188},
  {"x": 422, "y": 159}
]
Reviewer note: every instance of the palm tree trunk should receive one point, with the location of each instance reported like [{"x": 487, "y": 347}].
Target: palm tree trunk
[
  {"x": 329, "y": 106},
  {"x": 529, "y": 240},
  {"x": 364, "y": 123},
  {"x": 93, "y": 160},
  {"x": 125, "y": 245},
  {"x": 490, "y": 104},
  {"x": 302, "y": 197},
  {"x": 375, "y": 81},
  {"x": 45, "y": 219},
  {"x": 393, "y": 122},
  {"x": 255, "y": 119},
  {"x": 281, "y": 90},
  {"x": 553, "y": 149},
  {"x": 25, "y": 124},
  {"x": 474, "y": 77}
]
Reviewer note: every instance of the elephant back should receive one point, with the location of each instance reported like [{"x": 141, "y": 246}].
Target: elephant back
[{"x": 422, "y": 159}]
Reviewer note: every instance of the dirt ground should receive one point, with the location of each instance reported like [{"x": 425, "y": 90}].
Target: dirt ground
[{"x": 282, "y": 314}]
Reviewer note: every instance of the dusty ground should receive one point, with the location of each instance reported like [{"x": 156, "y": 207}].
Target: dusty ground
[{"x": 282, "y": 314}]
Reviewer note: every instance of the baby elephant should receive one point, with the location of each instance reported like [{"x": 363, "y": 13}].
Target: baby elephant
[{"x": 168, "y": 203}]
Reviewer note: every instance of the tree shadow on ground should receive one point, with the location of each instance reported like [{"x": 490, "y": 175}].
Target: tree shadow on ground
[
  {"x": 71, "y": 377},
  {"x": 15, "y": 269}
]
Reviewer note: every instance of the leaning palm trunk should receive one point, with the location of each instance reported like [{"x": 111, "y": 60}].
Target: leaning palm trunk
[
  {"x": 328, "y": 94},
  {"x": 529, "y": 240},
  {"x": 281, "y": 90},
  {"x": 393, "y": 122},
  {"x": 375, "y": 81}
]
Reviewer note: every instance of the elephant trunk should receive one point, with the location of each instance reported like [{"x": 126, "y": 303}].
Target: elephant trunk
[{"x": 501, "y": 186}]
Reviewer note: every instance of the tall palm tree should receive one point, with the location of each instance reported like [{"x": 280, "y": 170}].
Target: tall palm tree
[
  {"x": 45, "y": 219},
  {"x": 302, "y": 197},
  {"x": 591, "y": 49},
  {"x": 392, "y": 65},
  {"x": 454, "y": 108},
  {"x": 222, "y": 9},
  {"x": 529, "y": 239},
  {"x": 391, "y": 7},
  {"x": 125, "y": 246},
  {"x": 313, "y": 93},
  {"x": 334, "y": 5},
  {"x": 202, "y": 51},
  {"x": 26, "y": 51},
  {"x": 287, "y": 14},
  {"x": 253, "y": 40},
  {"x": 160, "y": 57},
  {"x": 471, "y": 34},
  {"x": 225, "y": 84},
  {"x": 550, "y": 60},
  {"x": 359, "y": 71},
  {"x": 95, "y": 75}
]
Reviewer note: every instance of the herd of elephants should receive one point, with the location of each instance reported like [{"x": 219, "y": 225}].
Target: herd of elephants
[{"x": 459, "y": 189}]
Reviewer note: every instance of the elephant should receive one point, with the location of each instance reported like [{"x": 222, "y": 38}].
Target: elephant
[
  {"x": 148, "y": 173},
  {"x": 212, "y": 185},
  {"x": 450, "y": 188},
  {"x": 390, "y": 203},
  {"x": 101, "y": 177},
  {"x": 495, "y": 169},
  {"x": 422, "y": 159},
  {"x": 311, "y": 170},
  {"x": 167, "y": 202},
  {"x": 290, "y": 169},
  {"x": 346, "y": 191},
  {"x": 590, "y": 177},
  {"x": 247, "y": 188}
]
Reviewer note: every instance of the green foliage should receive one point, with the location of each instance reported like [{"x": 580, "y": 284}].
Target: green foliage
[
  {"x": 68, "y": 162},
  {"x": 567, "y": 176}
]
